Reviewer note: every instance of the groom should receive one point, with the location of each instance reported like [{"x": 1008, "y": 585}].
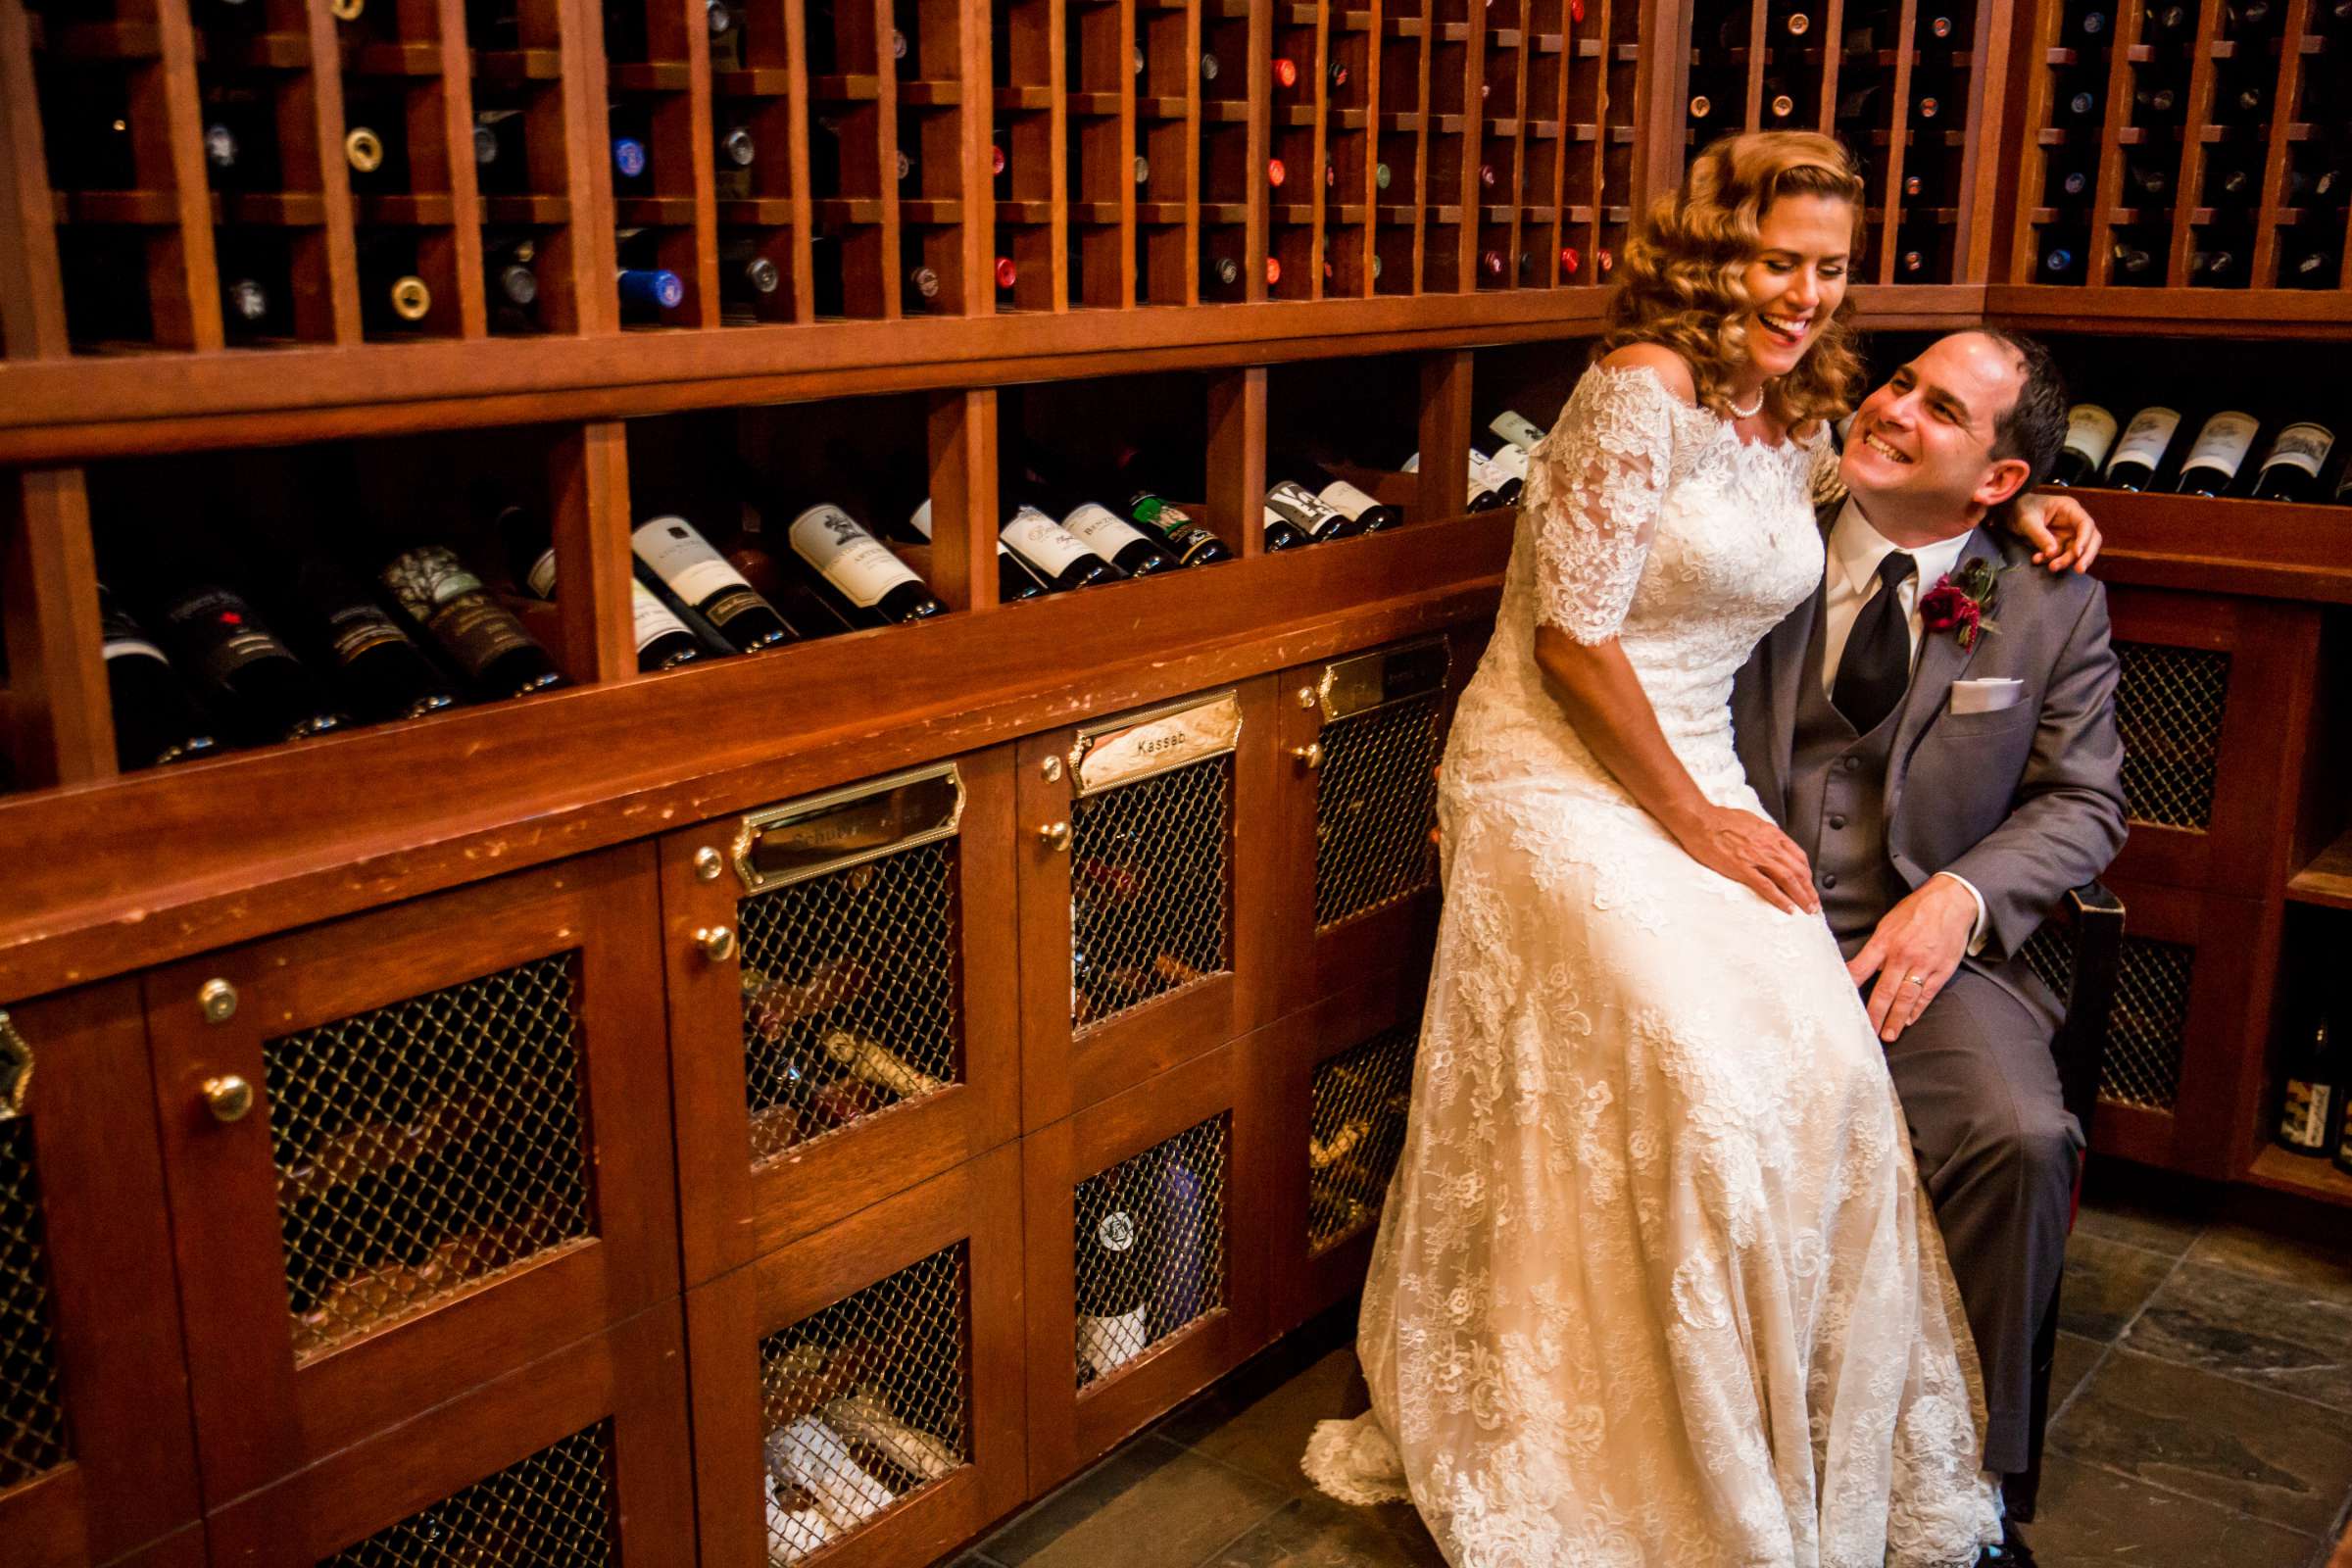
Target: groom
[{"x": 1950, "y": 782}]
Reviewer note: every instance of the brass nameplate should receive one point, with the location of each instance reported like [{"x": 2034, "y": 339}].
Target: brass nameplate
[
  {"x": 1358, "y": 685},
  {"x": 1141, "y": 746},
  {"x": 848, "y": 826}
]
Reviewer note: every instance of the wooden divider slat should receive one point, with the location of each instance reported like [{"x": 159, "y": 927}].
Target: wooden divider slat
[
  {"x": 33, "y": 298},
  {"x": 63, "y": 730},
  {"x": 701, "y": 112},
  {"x": 1898, "y": 136},
  {"x": 1257, "y": 195},
  {"x": 1980, "y": 183},
  {"x": 962, "y": 437},
  {"x": 1130, "y": 286},
  {"x": 1445, "y": 428},
  {"x": 1367, "y": 190},
  {"x": 2278, "y": 159},
  {"x": 168, "y": 152},
  {"x": 453, "y": 96},
  {"x": 1189, "y": 264},
  {"x": 1598, "y": 149},
  {"x": 310, "y": 129},
  {"x": 2023, "y": 142},
  {"x": 588, "y": 511},
  {"x": 1832, "y": 54},
  {"x": 585, "y": 251},
  {"x": 1465, "y": 235},
  {"x": 1424, "y": 76},
  {"x": 1759, "y": 22},
  {"x": 2116, "y": 111},
  {"x": 889, "y": 267},
  {"x": 1562, "y": 149},
  {"x": 1511, "y": 182},
  {"x": 1237, "y": 452},
  {"x": 2186, "y": 175}
]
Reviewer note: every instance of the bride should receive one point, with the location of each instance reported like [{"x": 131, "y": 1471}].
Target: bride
[{"x": 1657, "y": 1285}]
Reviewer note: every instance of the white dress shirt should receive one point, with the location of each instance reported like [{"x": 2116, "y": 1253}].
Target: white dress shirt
[{"x": 1856, "y": 551}]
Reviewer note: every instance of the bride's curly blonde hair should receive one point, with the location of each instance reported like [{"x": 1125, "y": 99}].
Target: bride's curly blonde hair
[{"x": 1680, "y": 285}]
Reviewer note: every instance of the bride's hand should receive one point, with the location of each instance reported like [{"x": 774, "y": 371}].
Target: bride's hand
[
  {"x": 1748, "y": 849},
  {"x": 2061, "y": 532}
]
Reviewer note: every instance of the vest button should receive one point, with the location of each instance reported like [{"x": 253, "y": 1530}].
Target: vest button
[
  {"x": 1837, "y": 821},
  {"x": 1829, "y": 879}
]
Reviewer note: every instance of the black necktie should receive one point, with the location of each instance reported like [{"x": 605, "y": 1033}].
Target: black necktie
[{"x": 1876, "y": 666}]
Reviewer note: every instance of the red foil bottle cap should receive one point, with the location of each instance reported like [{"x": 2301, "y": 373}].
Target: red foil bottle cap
[
  {"x": 996, "y": 159},
  {"x": 1273, "y": 270},
  {"x": 1275, "y": 172},
  {"x": 1006, "y": 271},
  {"x": 1569, "y": 261},
  {"x": 1285, "y": 72}
]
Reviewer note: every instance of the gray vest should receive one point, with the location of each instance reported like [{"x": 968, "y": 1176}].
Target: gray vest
[{"x": 1838, "y": 805}]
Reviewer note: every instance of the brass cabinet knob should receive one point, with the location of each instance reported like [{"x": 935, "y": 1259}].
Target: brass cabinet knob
[
  {"x": 718, "y": 943},
  {"x": 229, "y": 1097},
  {"x": 1054, "y": 836},
  {"x": 219, "y": 999},
  {"x": 708, "y": 864},
  {"x": 1311, "y": 755}
]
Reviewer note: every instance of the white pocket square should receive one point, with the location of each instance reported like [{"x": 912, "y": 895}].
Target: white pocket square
[{"x": 1986, "y": 696}]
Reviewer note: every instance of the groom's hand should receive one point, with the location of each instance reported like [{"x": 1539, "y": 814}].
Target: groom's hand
[
  {"x": 2061, "y": 532},
  {"x": 1914, "y": 952}
]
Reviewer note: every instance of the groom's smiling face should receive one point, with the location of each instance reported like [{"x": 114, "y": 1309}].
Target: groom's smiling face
[{"x": 1924, "y": 441}]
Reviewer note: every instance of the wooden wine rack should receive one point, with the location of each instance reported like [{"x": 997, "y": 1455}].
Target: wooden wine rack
[{"x": 588, "y": 831}]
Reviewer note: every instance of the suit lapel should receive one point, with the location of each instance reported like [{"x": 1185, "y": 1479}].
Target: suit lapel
[
  {"x": 1784, "y": 648},
  {"x": 1941, "y": 659}
]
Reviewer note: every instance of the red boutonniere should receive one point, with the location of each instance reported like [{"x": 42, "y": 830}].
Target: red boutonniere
[{"x": 1963, "y": 605}]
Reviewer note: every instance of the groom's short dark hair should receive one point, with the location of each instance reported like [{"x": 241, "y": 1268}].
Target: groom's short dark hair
[{"x": 2033, "y": 425}]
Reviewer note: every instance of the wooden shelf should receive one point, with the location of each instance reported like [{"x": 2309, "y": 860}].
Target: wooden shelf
[
  {"x": 2264, "y": 548},
  {"x": 2328, "y": 880},
  {"x": 2283, "y": 1172}
]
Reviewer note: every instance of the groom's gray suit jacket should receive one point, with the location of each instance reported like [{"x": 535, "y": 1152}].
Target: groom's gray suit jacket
[{"x": 2025, "y": 802}]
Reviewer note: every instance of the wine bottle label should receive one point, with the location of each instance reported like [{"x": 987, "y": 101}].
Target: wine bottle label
[
  {"x": 132, "y": 648},
  {"x": 2145, "y": 438},
  {"x": 2090, "y": 432},
  {"x": 355, "y": 627},
  {"x": 649, "y": 618},
  {"x": 231, "y": 637},
  {"x": 1106, "y": 533},
  {"x": 2305, "y": 1121},
  {"x": 1346, "y": 499},
  {"x": 2301, "y": 446},
  {"x": 1297, "y": 504},
  {"x": 1045, "y": 543},
  {"x": 2224, "y": 442},
  {"x": 1116, "y": 1233},
  {"x": 1107, "y": 1343},
  {"x": 541, "y": 578},
  {"x": 427, "y": 577},
  {"x": 1412, "y": 465},
  {"x": 683, "y": 559},
  {"x": 1518, "y": 431},
  {"x": 845, "y": 555},
  {"x": 478, "y": 631},
  {"x": 1506, "y": 464}
]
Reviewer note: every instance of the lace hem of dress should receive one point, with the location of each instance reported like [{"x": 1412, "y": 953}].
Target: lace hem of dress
[{"x": 1354, "y": 1462}]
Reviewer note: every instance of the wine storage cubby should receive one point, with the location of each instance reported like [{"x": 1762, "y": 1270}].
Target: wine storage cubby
[
  {"x": 402, "y": 1148},
  {"x": 1147, "y": 1274},
  {"x": 1135, "y": 891},
  {"x": 579, "y": 1457},
  {"x": 2179, "y": 147},
  {"x": 856, "y": 1391},
  {"x": 841, "y": 999},
  {"x": 96, "y": 1456}
]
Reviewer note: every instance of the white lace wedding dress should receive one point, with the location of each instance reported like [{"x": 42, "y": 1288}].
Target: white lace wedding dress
[{"x": 1656, "y": 1285}]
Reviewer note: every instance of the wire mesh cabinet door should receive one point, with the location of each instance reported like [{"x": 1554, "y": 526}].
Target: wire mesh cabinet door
[
  {"x": 2214, "y": 699},
  {"x": 1341, "y": 1079},
  {"x": 858, "y": 1392},
  {"x": 1147, "y": 849},
  {"x": 411, "y": 1150},
  {"x": 95, "y": 1453},
  {"x": 1361, "y": 737},
  {"x": 842, "y": 998},
  {"x": 579, "y": 1459},
  {"x": 1146, "y": 1252}
]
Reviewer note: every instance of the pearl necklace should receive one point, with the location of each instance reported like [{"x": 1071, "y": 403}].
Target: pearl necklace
[{"x": 1751, "y": 411}]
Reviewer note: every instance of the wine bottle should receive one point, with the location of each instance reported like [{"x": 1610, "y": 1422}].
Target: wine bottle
[
  {"x": 363, "y": 152},
  {"x": 2139, "y": 450},
  {"x": 2089, "y": 433},
  {"x": 2308, "y": 268},
  {"x": 645, "y": 292},
  {"x": 2290, "y": 469},
  {"x": 1014, "y": 580},
  {"x": 156, "y": 720},
  {"x": 244, "y": 305},
  {"x": 2218, "y": 453},
  {"x": 2082, "y": 102},
  {"x": 2315, "y": 1080},
  {"x": 513, "y": 274},
  {"x": 1308, "y": 513},
  {"x": 2167, "y": 19},
  {"x": 381, "y": 669},
  {"x": 2157, "y": 104},
  {"x": 1059, "y": 557},
  {"x": 854, "y": 572},
  {"x": 1702, "y": 108},
  {"x": 662, "y": 639},
  {"x": 2145, "y": 182},
  {"x": 2130, "y": 261},
  {"x": 704, "y": 580},
  {"x": 2060, "y": 262},
  {"x": 1286, "y": 71},
  {"x": 1139, "y": 478},
  {"x": 494, "y": 649},
  {"x": 1184, "y": 1284},
  {"x": 1367, "y": 513},
  {"x": 248, "y": 680},
  {"x": 746, "y": 277},
  {"x": 735, "y": 149},
  {"x": 1113, "y": 1306},
  {"x": 2088, "y": 24},
  {"x": 1054, "y": 491},
  {"x": 1506, "y": 474},
  {"x": 1224, "y": 275},
  {"x": 2343, "y": 1129}
]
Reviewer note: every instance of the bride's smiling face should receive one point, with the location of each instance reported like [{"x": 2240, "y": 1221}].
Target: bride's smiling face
[{"x": 1798, "y": 279}]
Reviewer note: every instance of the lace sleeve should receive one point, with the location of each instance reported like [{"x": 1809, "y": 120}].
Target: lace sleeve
[
  {"x": 1593, "y": 491},
  {"x": 1828, "y": 487}
]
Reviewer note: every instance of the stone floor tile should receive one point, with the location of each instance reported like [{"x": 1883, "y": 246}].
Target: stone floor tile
[
  {"x": 1266, "y": 1435},
  {"x": 2092, "y": 1516},
  {"x": 2076, "y": 1357},
  {"x": 2254, "y": 1450},
  {"x": 1314, "y": 1532},
  {"x": 2132, "y": 1218},
  {"x": 2323, "y": 1268},
  {"x": 2259, "y": 1331},
  {"x": 1151, "y": 1504},
  {"x": 2106, "y": 1281}
]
